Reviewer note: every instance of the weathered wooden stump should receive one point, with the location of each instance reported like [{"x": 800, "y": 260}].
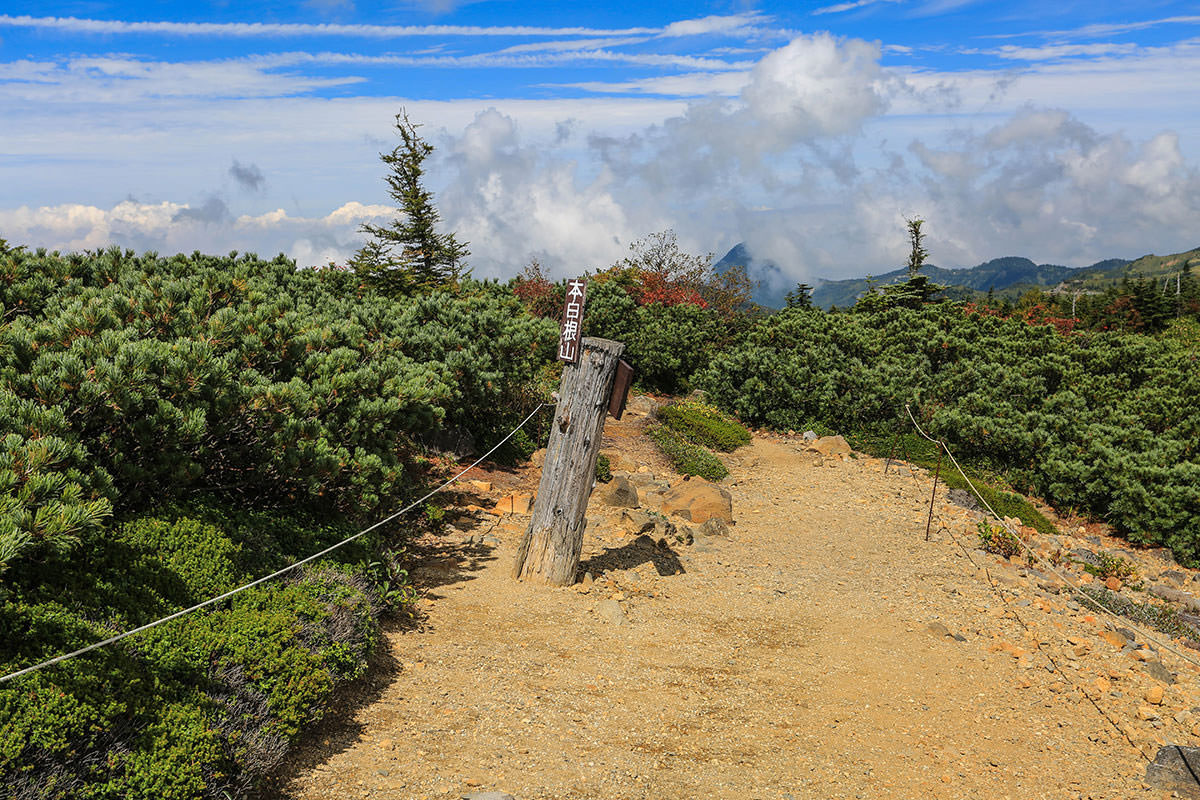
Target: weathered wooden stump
[{"x": 549, "y": 552}]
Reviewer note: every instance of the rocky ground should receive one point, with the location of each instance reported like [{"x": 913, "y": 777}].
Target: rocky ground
[{"x": 815, "y": 647}]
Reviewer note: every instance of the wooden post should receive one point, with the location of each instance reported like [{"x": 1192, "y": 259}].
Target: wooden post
[{"x": 550, "y": 551}]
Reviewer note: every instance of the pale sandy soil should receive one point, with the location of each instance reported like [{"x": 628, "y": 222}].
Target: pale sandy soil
[{"x": 791, "y": 660}]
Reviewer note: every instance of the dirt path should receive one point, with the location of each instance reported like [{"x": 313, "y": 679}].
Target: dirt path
[{"x": 791, "y": 660}]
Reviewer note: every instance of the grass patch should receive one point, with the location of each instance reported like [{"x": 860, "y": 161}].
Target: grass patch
[
  {"x": 923, "y": 453},
  {"x": 704, "y": 425},
  {"x": 686, "y": 457}
]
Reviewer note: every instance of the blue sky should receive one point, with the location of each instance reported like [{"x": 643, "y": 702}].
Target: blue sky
[{"x": 1067, "y": 132}]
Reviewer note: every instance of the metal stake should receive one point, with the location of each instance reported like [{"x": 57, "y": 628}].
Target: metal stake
[{"x": 933, "y": 496}]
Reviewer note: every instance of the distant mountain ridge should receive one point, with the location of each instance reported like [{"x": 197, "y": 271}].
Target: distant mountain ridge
[{"x": 1006, "y": 276}]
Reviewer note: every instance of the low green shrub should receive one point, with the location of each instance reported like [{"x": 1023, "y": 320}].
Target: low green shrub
[
  {"x": 1110, "y": 566},
  {"x": 200, "y": 707},
  {"x": 687, "y": 458},
  {"x": 704, "y": 424},
  {"x": 603, "y": 469},
  {"x": 996, "y": 539}
]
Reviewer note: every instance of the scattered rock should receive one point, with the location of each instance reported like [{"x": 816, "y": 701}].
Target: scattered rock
[
  {"x": 1115, "y": 639},
  {"x": 1171, "y": 595},
  {"x": 620, "y": 493},
  {"x": 482, "y": 486},
  {"x": 830, "y": 446},
  {"x": 1175, "y": 576},
  {"x": 1146, "y": 713},
  {"x": 810, "y": 436},
  {"x": 610, "y": 611},
  {"x": 1085, "y": 556},
  {"x": 1113, "y": 583},
  {"x": 516, "y": 503},
  {"x": 698, "y": 501},
  {"x": 939, "y": 630},
  {"x": 1154, "y": 695},
  {"x": 1175, "y": 768},
  {"x": 715, "y": 526},
  {"x": 1155, "y": 669},
  {"x": 635, "y": 522},
  {"x": 964, "y": 499},
  {"x": 488, "y": 796},
  {"x": 648, "y": 481}
]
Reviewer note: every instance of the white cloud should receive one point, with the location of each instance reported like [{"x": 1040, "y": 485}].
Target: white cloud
[
  {"x": 712, "y": 24},
  {"x": 722, "y": 24},
  {"x": 513, "y": 204},
  {"x": 1107, "y": 28},
  {"x": 695, "y": 84},
  {"x": 839, "y": 8},
  {"x": 179, "y": 227}
]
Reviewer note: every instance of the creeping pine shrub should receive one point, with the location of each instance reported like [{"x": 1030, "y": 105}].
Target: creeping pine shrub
[
  {"x": 687, "y": 458},
  {"x": 704, "y": 424}
]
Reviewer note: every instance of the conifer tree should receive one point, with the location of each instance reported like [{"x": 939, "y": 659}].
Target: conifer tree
[
  {"x": 409, "y": 254},
  {"x": 800, "y": 297}
]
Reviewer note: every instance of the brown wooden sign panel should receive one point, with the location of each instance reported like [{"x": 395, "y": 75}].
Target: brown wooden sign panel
[
  {"x": 620, "y": 392},
  {"x": 572, "y": 321}
]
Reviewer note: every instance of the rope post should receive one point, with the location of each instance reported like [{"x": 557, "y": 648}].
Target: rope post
[
  {"x": 891, "y": 453},
  {"x": 550, "y": 551},
  {"x": 937, "y": 474}
]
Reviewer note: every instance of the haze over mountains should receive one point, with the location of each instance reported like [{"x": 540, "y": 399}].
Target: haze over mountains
[{"x": 1008, "y": 276}]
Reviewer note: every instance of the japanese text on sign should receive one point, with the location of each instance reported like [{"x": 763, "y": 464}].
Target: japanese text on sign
[{"x": 572, "y": 323}]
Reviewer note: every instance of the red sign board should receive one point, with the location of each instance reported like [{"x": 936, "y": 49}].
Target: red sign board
[{"x": 572, "y": 321}]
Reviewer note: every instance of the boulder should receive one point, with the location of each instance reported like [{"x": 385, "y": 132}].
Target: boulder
[
  {"x": 641, "y": 405},
  {"x": 619, "y": 493},
  {"x": 809, "y": 436},
  {"x": 516, "y": 503},
  {"x": 1175, "y": 769},
  {"x": 830, "y": 446},
  {"x": 698, "y": 501},
  {"x": 619, "y": 462}
]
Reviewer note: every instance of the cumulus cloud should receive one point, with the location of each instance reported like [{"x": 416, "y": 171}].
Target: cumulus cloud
[
  {"x": 512, "y": 204},
  {"x": 168, "y": 227}
]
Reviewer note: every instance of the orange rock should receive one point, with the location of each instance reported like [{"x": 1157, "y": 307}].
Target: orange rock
[
  {"x": 517, "y": 503},
  {"x": 1154, "y": 695},
  {"x": 1085, "y": 577},
  {"x": 1113, "y": 584},
  {"x": 1115, "y": 639},
  {"x": 1005, "y": 647}
]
